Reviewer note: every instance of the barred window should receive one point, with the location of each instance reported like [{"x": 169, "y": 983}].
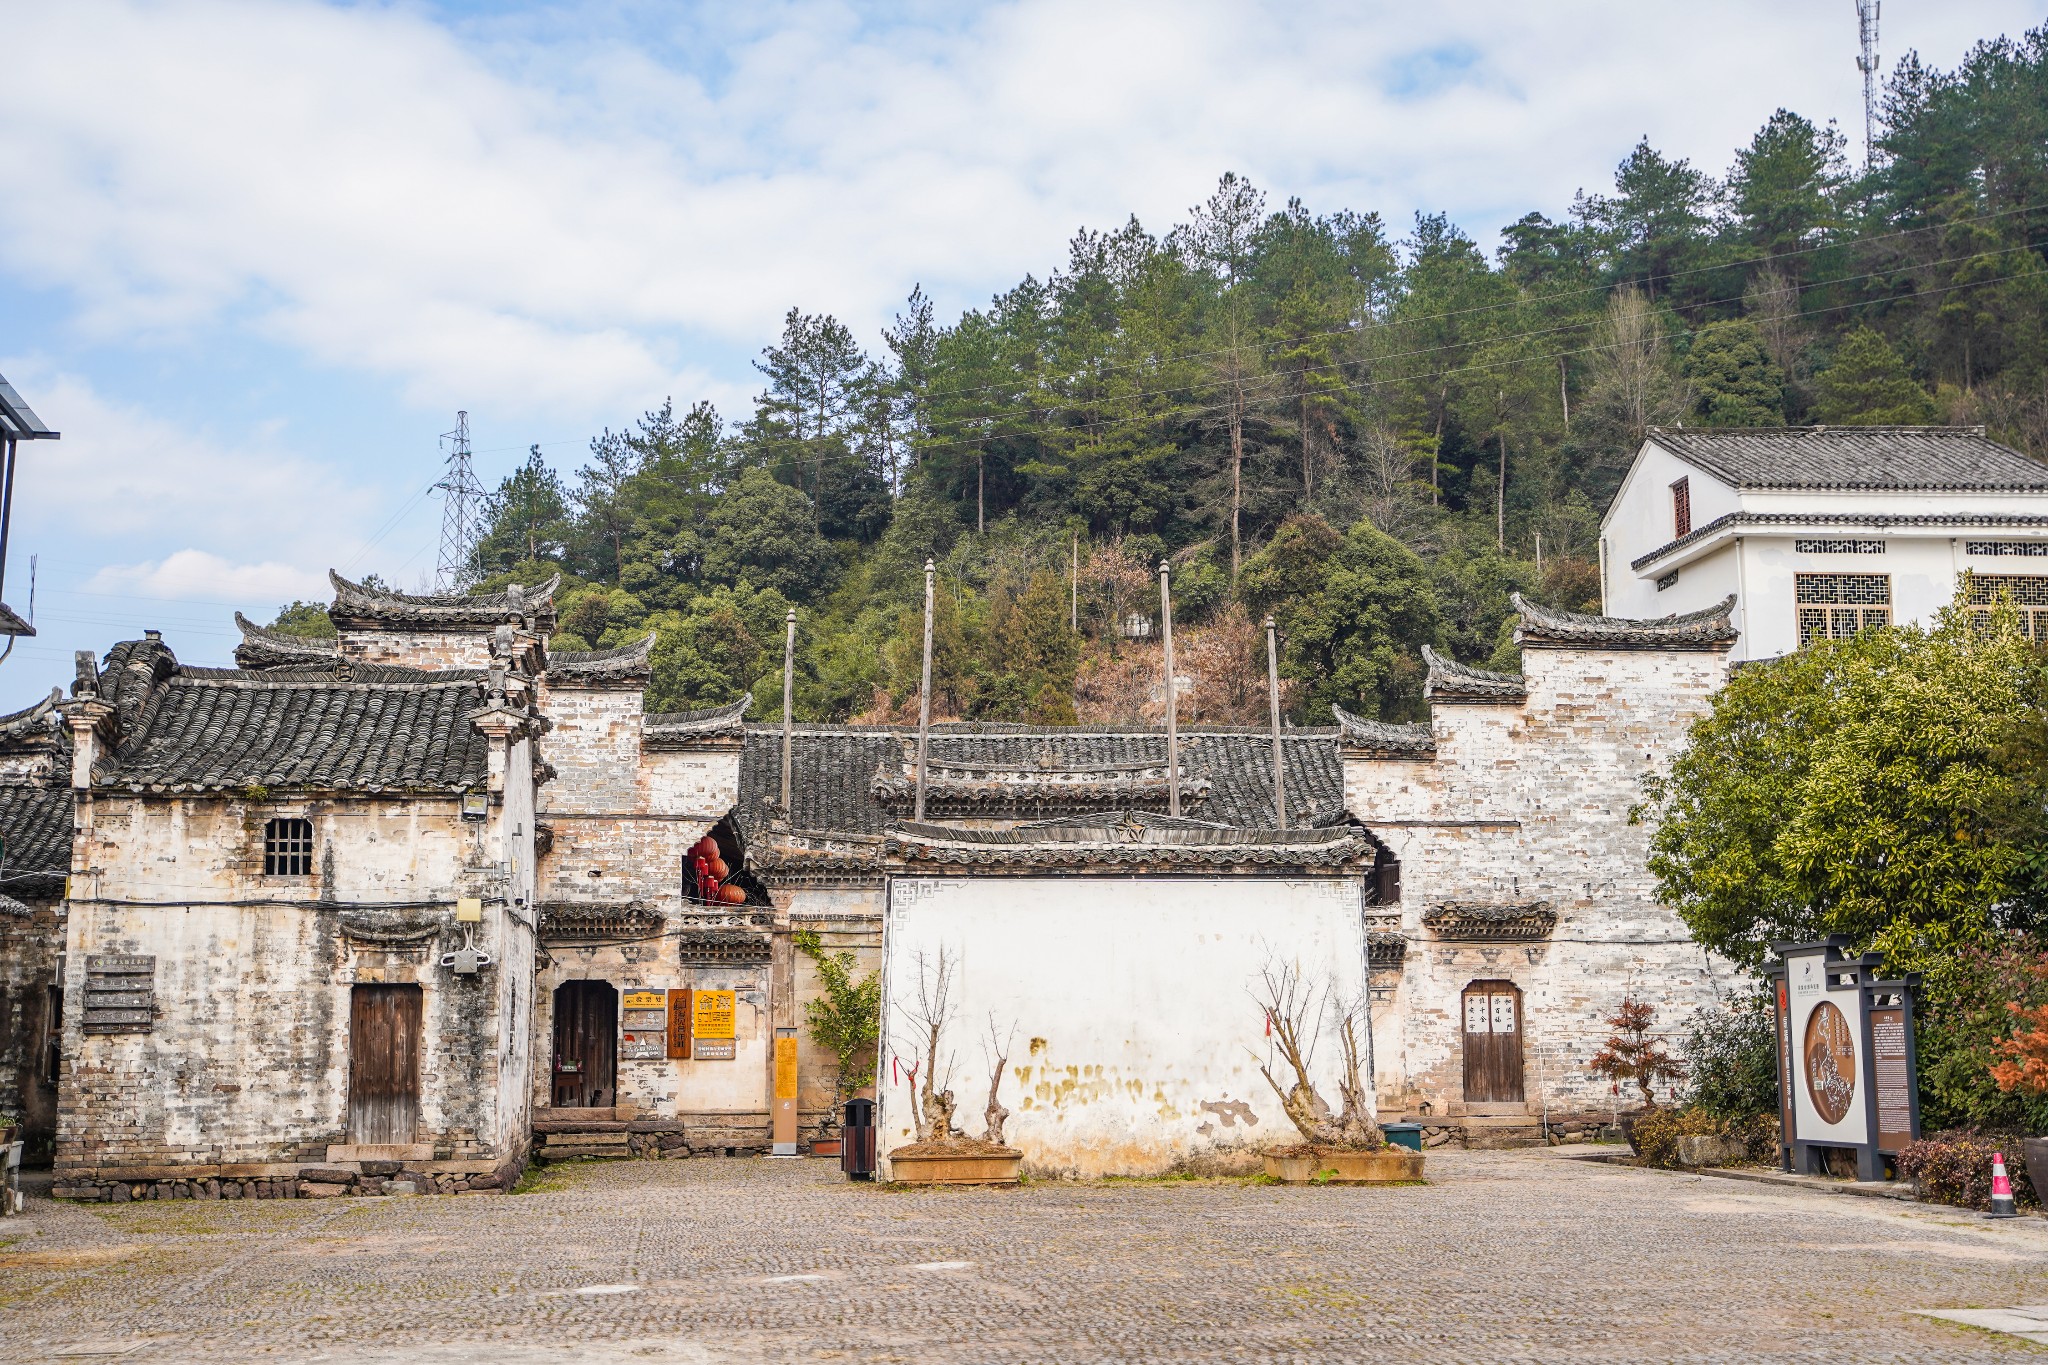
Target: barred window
[
  {"x": 1681, "y": 508},
  {"x": 2029, "y": 592},
  {"x": 1839, "y": 547},
  {"x": 288, "y": 848},
  {"x": 2005, "y": 547},
  {"x": 1834, "y": 606}
]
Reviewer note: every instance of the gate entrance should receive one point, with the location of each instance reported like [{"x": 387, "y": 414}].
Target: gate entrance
[
  {"x": 383, "y": 1064},
  {"x": 1493, "y": 1043},
  {"x": 586, "y": 1045}
]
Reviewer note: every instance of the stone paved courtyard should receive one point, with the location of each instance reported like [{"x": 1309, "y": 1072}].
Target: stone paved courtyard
[{"x": 1505, "y": 1256}]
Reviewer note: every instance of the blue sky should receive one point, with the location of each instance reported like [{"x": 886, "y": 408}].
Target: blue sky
[{"x": 253, "y": 256}]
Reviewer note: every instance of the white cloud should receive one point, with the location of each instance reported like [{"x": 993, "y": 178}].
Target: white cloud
[
  {"x": 558, "y": 222},
  {"x": 203, "y": 576}
]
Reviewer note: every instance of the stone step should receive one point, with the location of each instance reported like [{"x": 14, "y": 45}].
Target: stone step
[
  {"x": 554, "y": 1153},
  {"x": 587, "y": 1139}
]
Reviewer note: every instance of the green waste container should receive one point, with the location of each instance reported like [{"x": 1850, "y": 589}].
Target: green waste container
[{"x": 1407, "y": 1135}]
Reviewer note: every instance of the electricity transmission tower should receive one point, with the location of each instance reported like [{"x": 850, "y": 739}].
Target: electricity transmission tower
[
  {"x": 1866, "y": 62},
  {"x": 462, "y": 506}
]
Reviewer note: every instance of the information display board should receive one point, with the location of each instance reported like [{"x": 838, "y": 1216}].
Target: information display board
[
  {"x": 1845, "y": 1057},
  {"x": 714, "y": 1019}
]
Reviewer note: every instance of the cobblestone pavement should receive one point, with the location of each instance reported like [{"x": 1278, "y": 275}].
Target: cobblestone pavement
[{"x": 1503, "y": 1256}]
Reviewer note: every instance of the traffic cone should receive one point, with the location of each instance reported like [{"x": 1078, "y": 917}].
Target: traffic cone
[{"x": 2001, "y": 1190}]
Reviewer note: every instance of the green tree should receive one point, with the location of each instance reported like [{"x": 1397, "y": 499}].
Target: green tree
[
  {"x": 1868, "y": 385},
  {"x": 1734, "y": 380},
  {"x": 761, "y": 532},
  {"x": 845, "y": 1018},
  {"x": 309, "y": 619},
  {"x": 526, "y": 519},
  {"x": 1852, "y": 788},
  {"x": 723, "y": 646},
  {"x": 1784, "y": 188}
]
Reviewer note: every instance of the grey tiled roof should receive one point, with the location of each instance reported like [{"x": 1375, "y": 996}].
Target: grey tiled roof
[
  {"x": 1451, "y": 681},
  {"x": 833, "y": 768},
  {"x": 681, "y": 729},
  {"x": 626, "y": 665},
  {"x": 1384, "y": 738},
  {"x": 356, "y": 605},
  {"x": 1955, "y": 459},
  {"x": 1127, "y": 840},
  {"x": 375, "y": 728},
  {"x": 1707, "y": 628},
  {"x": 1782, "y": 522},
  {"x": 36, "y": 824},
  {"x": 265, "y": 648}
]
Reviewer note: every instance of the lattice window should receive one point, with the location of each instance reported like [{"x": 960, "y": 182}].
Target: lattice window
[
  {"x": 288, "y": 848},
  {"x": 1834, "y": 606},
  {"x": 1681, "y": 508},
  {"x": 1839, "y": 547},
  {"x": 2006, "y": 547},
  {"x": 2029, "y": 592}
]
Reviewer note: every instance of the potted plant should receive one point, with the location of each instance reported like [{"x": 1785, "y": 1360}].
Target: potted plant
[
  {"x": 1346, "y": 1148},
  {"x": 942, "y": 1155},
  {"x": 10, "y": 1127},
  {"x": 1632, "y": 1055},
  {"x": 2024, "y": 1067},
  {"x": 846, "y": 1020}
]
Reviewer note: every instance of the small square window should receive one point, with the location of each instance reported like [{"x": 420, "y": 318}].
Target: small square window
[{"x": 288, "y": 848}]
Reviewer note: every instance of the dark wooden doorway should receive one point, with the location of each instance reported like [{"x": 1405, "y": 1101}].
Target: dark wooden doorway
[
  {"x": 586, "y": 1045},
  {"x": 1493, "y": 1043},
  {"x": 383, "y": 1064}
]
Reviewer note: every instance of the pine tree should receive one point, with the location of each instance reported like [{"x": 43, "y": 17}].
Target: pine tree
[{"x": 1868, "y": 385}]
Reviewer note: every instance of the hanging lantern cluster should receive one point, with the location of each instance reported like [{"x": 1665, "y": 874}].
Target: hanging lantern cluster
[{"x": 708, "y": 865}]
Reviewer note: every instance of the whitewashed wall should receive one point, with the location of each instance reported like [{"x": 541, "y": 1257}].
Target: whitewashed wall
[{"x": 1138, "y": 1037}]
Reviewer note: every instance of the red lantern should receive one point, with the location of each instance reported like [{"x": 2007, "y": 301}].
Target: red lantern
[
  {"x": 732, "y": 895},
  {"x": 718, "y": 867}
]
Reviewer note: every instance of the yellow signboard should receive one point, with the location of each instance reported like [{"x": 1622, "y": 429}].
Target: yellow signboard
[
  {"x": 647, "y": 1000},
  {"x": 715, "y": 1014},
  {"x": 785, "y": 1068}
]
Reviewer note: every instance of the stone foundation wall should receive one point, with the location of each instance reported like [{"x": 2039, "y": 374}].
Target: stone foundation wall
[{"x": 359, "y": 1178}]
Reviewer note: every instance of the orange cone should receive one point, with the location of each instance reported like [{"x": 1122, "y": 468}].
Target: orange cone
[{"x": 2001, "y": 1190}]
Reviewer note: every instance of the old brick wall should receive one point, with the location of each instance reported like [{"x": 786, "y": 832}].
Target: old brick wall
[
  {"x": 247, "y": 1058},
  {"x": 438, "y": 648},
  {"x": 1530, "y": 803}
]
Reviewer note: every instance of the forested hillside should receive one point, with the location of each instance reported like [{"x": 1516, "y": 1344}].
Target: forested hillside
[{"x": 1372, "y": 430}]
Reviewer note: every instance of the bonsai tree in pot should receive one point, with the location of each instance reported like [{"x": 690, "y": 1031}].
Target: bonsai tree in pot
[
  {"x": 846, "y": 1020},
  {"x": 1345, "y": 1144},
  {"x": 1633, "y": 1055},
  {"x": 942, "y": 1154}
]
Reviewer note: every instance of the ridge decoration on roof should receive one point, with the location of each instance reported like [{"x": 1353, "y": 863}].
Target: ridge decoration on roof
[
  {"x": 33, "y": 722},
  {"x": 262, "y": 647},
  {"x": 686, "y": 729},
  {"x": 1896, "y": 459},
  {"x": 1451, "y": 681},
  {"x": 1549, "y": 627},
  {"x": 358, "y": 607},
  {"x": 1124, "y": 840},
  {"x": 1384, "y": 739},
  {"x": 626, "y": 665}
]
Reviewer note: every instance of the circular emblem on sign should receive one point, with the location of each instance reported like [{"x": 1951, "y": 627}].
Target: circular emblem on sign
[{"x": 1830, "y": 1062}]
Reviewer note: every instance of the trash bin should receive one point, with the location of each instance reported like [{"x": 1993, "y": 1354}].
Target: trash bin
[
  {"x": 1407, "y": 1135},
  {"x": 857, "y": 1141}
]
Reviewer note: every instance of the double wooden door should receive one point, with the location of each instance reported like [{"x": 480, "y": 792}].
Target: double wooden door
[
  {"x": 383, "y": 1064},
  {"x": 586, "y": 1065},
  {"x": 1493, "y": 1043}
]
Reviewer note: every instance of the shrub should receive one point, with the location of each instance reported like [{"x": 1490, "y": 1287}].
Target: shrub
[
  {"x": 1657, "y": 1133},
  {"x": 1954, "y": 1167},
  {"x": 1965, "y": 1014},
  {"x": 1732, "y": 1058},
  {"x": 1633, "y": 1055}
]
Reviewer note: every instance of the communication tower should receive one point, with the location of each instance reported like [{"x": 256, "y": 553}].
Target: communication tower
[
  {"x": 1866, "y": 62},
  {"x": 462, "y": 504}
]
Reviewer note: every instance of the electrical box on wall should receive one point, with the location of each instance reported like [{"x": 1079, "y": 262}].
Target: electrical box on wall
[{"x": 469, "y": 910}]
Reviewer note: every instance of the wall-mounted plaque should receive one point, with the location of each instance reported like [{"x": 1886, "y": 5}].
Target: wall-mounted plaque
[
  {"x": 709, "y": 1050},
  {"x": 645, "y": 1046},
  {"x": 646, "y": 1000},
  {"x": 120, "y": 993},
  {"x": 714, "y": 1015},
  {"x": 679, "y": 1023}
]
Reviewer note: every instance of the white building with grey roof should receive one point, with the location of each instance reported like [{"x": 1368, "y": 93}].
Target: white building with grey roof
[{"x": 1817, "y": 532}]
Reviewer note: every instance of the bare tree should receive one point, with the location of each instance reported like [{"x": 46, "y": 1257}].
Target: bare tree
[
  {"x": 1386, "y": 476},
  {"x": 1122, "y": 577},
  {"x": 1297, "y": 1013},
  {"x": 997, "y": 1051},
  {"x": 928, "y": 1017},
  {"x": 1631, "y": 375}
]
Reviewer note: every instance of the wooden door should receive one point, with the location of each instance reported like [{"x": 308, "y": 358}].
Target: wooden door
[
  {"x": 1493, "y": 1043},
  {"x": 586, "y": 1045},
  {"x": 383, "y": 1064}
]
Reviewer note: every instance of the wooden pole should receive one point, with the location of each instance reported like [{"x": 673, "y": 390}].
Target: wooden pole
[
  {"x": 788, "y": 702},
  {"x": 1273, "y": 699},
  {"x": 1172, "y": 697},
  {"x": 924, "y": 691},
  {"x": 1073, "y": 588}
]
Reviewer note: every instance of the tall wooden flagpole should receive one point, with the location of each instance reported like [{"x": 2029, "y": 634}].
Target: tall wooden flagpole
[
  {"x": 788, "y": 702},
  {"x": 924, "y": 691},
  {"x": 1172, "y": 693},
  {"x": 1273, "y": 700}
]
